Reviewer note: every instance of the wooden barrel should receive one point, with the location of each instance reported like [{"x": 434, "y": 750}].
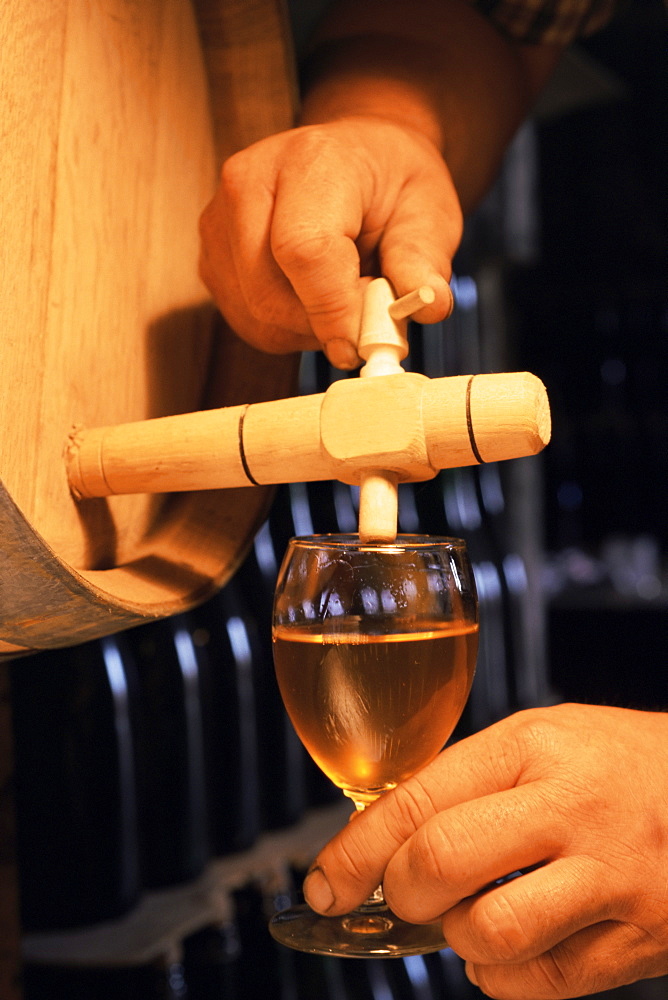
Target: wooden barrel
[{"x": 115, "y": 117}]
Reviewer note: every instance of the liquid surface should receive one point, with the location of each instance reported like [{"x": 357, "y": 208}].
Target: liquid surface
[{"x": 372, "y": 709}]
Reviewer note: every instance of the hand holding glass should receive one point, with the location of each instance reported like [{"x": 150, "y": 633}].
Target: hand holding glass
[{"x": 375, "y": 649}]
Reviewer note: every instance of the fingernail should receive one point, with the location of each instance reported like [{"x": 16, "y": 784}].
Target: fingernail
[
  {"x": 341, "y": 353},
  {"x": 317, "y": 891}
]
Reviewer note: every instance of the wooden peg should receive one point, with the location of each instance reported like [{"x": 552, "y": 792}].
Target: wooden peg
[{"x": 412, "y": 302}]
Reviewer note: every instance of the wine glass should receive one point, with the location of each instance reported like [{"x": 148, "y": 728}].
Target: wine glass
[{"x": 375, "y": 648}]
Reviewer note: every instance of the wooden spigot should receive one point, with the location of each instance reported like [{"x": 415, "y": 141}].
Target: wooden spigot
[
  {"x": 383, "y": 344},
  {"x": 388, "y": 426}
]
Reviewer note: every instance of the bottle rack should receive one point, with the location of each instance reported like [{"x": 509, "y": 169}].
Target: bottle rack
[{"x": 163, "y": 919}]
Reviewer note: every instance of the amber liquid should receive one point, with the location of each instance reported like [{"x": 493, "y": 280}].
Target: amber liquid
[{"x": 371, "y": 709}]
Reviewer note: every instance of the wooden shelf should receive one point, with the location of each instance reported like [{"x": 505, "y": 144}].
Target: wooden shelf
[{"x": 161, "y": 920}]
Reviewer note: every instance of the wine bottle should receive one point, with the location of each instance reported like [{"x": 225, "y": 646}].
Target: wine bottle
[
  {"x": 75, "y": 786},
  {"x": 211, "y": 963},
  {"x": 281, "y": 757},
  {"x": 228, "y": 649},
  {"x": 266, "y": 969},
  {"x": 160, "y": 980},
  {"x": 167, "y": 722}
]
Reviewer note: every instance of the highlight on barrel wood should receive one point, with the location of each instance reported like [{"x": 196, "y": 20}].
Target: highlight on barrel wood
[{"x": 118, "y": 117}]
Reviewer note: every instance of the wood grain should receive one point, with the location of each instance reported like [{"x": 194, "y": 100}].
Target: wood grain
[{"x": 109, "y": 154}]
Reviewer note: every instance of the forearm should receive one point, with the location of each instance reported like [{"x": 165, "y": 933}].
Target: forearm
[{"x": 437, "y": 67}]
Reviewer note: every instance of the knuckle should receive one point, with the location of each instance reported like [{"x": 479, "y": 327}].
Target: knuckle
[
  {"x": 432, "y": 852},
  {"x": 540, "y": 977},
  {"x": 543, "y": 976},
  {"x": 498, "y": 930},
  {"x": 555, "y": 973},
  {"x": 332, "y": 306},
  {"x": 531, "y": 727},
  {"x": 487, "y": 979},
  {"x": 315, "y": 144},
  {"x": 429, "y": 861},
  {"x": 536, "y": 735},
  {"x": 297, "y": 249},
  {"x": 262, "y": 302},
  {"x": 352, "y": 861},
  {"x": 410, "y": 806},
  {"x": 233, "y": 173}
]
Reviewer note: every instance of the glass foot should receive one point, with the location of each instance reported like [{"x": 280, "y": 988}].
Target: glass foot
[{"x": 365, "y": 933}]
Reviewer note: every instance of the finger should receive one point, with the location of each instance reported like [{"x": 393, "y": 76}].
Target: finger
[
  {"x": 218, "y": 270},
  {"x": 601, "y": 957},
  {"x": 421, "y": 238},
  {"x": 354, "y": 862},
  {"x": 463, "y": 850},
  {"x": 240, "y": 221},
  {"x": 523, "y": 918},
  {"x": 314, "y": 229}
]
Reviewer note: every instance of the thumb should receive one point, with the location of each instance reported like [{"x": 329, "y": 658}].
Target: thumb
[
  {"x": 421, "y": 239},
  {"x": 353, "y": 863}
]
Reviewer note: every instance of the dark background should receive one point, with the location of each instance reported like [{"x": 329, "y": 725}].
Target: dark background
[{"x": 591, "y": 319}]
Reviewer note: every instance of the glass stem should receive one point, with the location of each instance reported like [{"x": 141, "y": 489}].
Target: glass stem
[{"x": 376, "y": 900}]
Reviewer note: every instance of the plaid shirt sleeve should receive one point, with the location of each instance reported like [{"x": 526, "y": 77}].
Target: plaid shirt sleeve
[{"x": 549, "y": 21}]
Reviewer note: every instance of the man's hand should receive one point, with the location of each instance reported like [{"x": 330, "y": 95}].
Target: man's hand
[
  {"x": 303, "y": 219},
  {"x": 577, "y": 797}
]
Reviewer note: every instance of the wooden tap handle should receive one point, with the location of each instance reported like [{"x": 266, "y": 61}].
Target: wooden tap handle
[{"x": 412, "y": 302}]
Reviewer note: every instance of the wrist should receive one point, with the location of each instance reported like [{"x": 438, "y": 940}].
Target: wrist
[{"x": 369, "y": 79}]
